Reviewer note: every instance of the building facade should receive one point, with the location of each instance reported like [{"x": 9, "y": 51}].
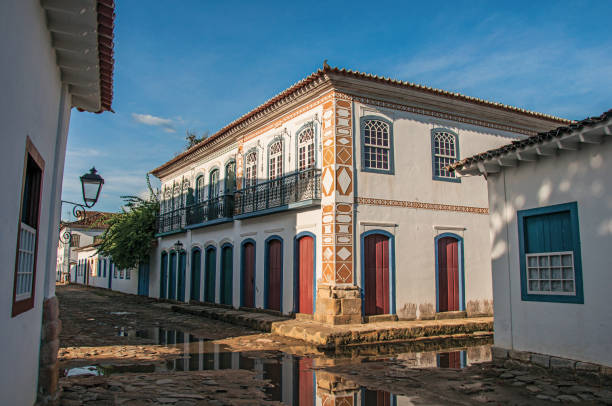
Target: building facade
[
  {"x": 77, "y": 234},
  {"x": 550, "y": 199},
  {"x": 59, "y": 56},
  {"x": 332, "y": 199}
]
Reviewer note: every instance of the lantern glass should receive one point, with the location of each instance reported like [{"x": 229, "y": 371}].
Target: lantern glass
[{"x": 92, "y": 185}]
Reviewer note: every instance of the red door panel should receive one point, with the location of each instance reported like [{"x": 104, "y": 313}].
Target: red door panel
[
  {"x": 376, "y": 281},
  {"x": 248, "y": 276},
  {"x": 306, "y": 389},
  {"x": 305, "y": 274},
  {"x": 448, "y": 274},
  {"x": 274, "y": 274}
]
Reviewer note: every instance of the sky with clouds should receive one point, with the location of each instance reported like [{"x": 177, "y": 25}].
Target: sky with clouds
[{"x": 196, "y": 65}]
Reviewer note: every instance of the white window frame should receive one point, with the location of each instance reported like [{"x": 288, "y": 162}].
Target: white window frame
[{"x": 542, "y": 266}]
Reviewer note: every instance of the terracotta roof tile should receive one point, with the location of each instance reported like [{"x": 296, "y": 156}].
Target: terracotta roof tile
[
  {"x": 92, "y": 219},
  {"x": 534, "y": 139},
  {"x": 356, "y": 74}
]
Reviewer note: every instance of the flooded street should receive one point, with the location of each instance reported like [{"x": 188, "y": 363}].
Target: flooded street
[{"x": 120, "y": 349}]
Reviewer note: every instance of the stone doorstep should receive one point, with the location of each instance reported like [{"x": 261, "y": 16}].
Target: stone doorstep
[
  {"x": 254, "y": 320},
  {"x": 380, "y": 318},
  {"x": 451, "y": 315}
]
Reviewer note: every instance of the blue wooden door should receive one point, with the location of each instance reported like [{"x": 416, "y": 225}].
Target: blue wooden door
[
  {"x": 143, "y": 279},
  {"x": 163, "y": 277},
  {"x": 196, "y": 263},
  {"x": 182, "y": 263},
  {"x": 227, "y": 267},
  {"x": 110, "y": 273},
  {"x": 172, "y": 284},
  {"x": 209, "y": 286}
]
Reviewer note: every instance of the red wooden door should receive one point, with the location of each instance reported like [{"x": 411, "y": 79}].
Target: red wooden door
[
  {"x": 306, "y": 389},
  {"x": 274, "y": 274},
  {"x": 248, "y": 275},
  {"x": 448, "y": 274},
  {"x": 450, "y": 360},
  {"x": 376, "y": 281},
  {"x": 305, "y": 274}
]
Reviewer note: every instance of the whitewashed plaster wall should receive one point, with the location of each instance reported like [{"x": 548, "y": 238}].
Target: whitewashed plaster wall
[
  {"x": 576, "y": 331},
  {"x": 36, "y": 106}
]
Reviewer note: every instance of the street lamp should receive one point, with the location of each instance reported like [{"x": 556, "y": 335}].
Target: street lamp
[
  {"x": 91, "y": 184},
  {"x": 178, "y": 246}
]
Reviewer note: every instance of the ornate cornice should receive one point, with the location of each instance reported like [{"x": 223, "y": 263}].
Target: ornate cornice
[{"x": 421, "y": 205}]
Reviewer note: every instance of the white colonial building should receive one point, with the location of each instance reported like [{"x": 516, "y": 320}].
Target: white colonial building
[
  {"x": 332, "y": 199},
  {"x": 550, "y": 202},
  {"x": 74, "y": 234},
  {"x": 56, "y": 55}
]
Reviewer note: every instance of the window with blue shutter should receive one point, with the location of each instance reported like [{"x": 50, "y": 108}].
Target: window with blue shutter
[{"x": 551, "y": 264}]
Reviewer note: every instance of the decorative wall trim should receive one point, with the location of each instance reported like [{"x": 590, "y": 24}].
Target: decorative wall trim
[
  {"x": 421, "y": 205},
  {"x": 437, "y": 114}
]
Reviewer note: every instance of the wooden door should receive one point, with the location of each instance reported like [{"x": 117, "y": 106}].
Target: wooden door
[
  {"x": 143, "y": 279},
  {"x": 248, "y": 275},
  {"x": 376, "y": 398},
  {"x": 305, "y": 274},
  {"x": 376, "y": 280},
  {"x": 449, "y": 360},
  {"x": 163, "y": 277},
  {"x": 275, "y": 269},
  {"x": 448, "y": 274},
  {"x": 110, "y": 273},
  {"x": 172, "y": 284},
  {"x": 227, "y": 268},
  {"x": 210, "y": 269},
  {"x": 196, "y": 259},
  {"x": 182, "y": 264}
]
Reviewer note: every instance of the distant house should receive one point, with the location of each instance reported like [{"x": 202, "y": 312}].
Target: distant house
[
  {"x": 76, "y": 234},
  {"x": 56, "y": 55},
  {"x": 332, "y": 200},
  {"x": 550, "y": 202}
]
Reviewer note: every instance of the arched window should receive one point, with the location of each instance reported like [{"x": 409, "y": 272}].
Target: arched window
[
  {"x": 213, "y": 186},
  {"x": 445, "y": 150},
  {"x": 275, "y": 160},
  {"x": 306, "y": 152},
  {"x": 199, "y": 192},
  {"x": 377, "y": 149},
  {"x": 250, "y": 169},
  {"x": 230, "y": 177}
]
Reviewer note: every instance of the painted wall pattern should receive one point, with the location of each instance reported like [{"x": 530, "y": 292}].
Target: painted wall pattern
[
  {"x": 337, "y": 191},
  {"x": 421, "y": 205}
]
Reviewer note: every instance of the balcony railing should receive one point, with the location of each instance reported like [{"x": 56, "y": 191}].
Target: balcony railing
[
  {"x": 276, "y": 193},
  {"x": 221, "y": 207},
  {"x": 171, "y": 221}
]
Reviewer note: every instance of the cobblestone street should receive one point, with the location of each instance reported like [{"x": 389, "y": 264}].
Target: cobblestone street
[{"x": 121, "y": 349}]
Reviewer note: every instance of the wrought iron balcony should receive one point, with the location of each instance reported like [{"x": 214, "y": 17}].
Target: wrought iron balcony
[
  {"x": 280, "y": 193},
  {"x": 174, "y": 220},
  {"x": 218, "y": 208}
]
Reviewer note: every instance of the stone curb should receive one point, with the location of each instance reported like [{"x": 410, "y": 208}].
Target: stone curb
[{"x": 254, "y": 320}]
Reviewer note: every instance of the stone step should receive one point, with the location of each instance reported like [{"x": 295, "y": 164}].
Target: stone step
[{"x": 255, "y": 320}]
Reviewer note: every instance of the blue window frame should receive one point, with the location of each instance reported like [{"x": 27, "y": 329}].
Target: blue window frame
[
  {"x": 444, "y": 151},
  {"x": 550, "y": 259},
  {"x": 377, "y": 145}
]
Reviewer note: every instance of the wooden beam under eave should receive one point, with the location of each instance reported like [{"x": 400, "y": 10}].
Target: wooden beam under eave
[
  {"x": 543, "y": 151},
  {"x": 488, "y": 168},
  {"x": 585, "y": 139},
  {"x": 565, "y": 145},
  {"x": 526, "y": 157},
  {"x": 506, "y": 161}
]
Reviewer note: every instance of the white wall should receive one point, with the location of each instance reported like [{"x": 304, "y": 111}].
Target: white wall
[
  {"x": 577, "y": 331},
  {"x": 32, "y": 106}
]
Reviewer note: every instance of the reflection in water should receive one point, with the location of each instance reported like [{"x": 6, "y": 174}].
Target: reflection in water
[{"x": 293, "y": 379}]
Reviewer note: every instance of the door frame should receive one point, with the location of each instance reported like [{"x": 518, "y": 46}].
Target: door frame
[
  {"x": 460, "y": 262},
  {"x": 212, "y": 248},
  {"x": 267, "y": 271},
  {"x": 296, "y": 270},
  {"x": 191, "y": 278},
  {"x": 391, "y": 267},
  {"x": 222, "y": 275},
  {"x": 242, "y": 244}
]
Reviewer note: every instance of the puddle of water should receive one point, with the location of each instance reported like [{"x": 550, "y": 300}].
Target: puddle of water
[
  {"x": 293, "y": 380},
  {"x": 120, "y": 313},
  {"x": 160, "y": 336}
]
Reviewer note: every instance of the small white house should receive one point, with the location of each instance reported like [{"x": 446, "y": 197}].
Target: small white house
[
  {"x": 92, "y": 269},
  {"x": 56, "y": 55},
  {"x": 550, "y": 204}
]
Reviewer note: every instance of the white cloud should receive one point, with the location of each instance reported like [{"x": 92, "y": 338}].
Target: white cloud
[{"x": 148, "y": 119}]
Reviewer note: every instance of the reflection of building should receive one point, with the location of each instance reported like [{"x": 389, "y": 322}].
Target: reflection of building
[
  {"x": 77, "y": 234},
  {"x": 56, "y": 55},
  {"x": 332, "y": 198},
  {"x": 550, "y": 199}
]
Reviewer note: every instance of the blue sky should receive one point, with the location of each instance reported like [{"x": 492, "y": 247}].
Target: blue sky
[{"x": 199, "y": 65}]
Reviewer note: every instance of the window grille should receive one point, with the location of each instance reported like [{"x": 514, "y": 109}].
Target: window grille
[
  {"x": 377, "y": 145},
  {"x": 306, "y": 153},
  {"x": 200, "y": 197},
  {"x": 214, "y": 184},
  {"x": 275, "y": 159},
  {"x": 445, "y": 153},
  {"x": 250, "y": 178},
  {"x": 75, "y": 240},
  {"x": 230, "y": 177},
  {"x": 551, "y": 273},
  {"x": 26, "y": 259}
]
